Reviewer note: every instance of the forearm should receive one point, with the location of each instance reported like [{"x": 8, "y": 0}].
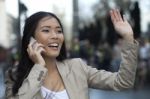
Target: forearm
[
  {"x": 126, "y": 74},
  {"x": 120, "y": 80}
]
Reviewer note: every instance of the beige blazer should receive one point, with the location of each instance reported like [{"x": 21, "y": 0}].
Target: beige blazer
[{"x": 78, "y": 77}]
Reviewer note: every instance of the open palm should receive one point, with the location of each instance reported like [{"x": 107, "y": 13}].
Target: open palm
[{"x": 121, "y": 25}]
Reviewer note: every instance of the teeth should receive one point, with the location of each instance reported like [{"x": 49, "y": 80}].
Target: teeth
[{"x": 54, "y": 44}]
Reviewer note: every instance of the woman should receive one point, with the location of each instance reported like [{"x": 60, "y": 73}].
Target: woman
[{"x": 44, "y": 71}]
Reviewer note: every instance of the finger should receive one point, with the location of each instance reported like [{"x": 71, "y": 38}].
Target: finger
[
  {"x": 29, "y": 52},
  {"x": 41, "y": 49},
  {"x": 38, "y": 45},
  {"x": 116, "y": 17},
  {"x": 112, "y": 16},
  {"x": 119, "y": 15}
]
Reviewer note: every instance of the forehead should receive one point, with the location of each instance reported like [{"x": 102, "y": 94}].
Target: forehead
[{"x": 48, "y": 21}]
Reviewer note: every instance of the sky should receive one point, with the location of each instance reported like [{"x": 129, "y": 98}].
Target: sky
[
  {"x": 44, "y": 5},
  {"x": 39, "y": 5},
  {"x": 59, "y": 5},
  {"x": 12, "y": 7}
]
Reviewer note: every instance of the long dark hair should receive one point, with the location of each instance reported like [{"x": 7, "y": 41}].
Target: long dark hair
[{"x": 25, "y": 63}]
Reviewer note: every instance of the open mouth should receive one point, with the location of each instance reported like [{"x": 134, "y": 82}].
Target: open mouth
[{"x": 53, "y": 45}]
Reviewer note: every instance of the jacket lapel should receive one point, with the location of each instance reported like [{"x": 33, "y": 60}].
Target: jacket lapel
[{"x": 65, "y": 72}]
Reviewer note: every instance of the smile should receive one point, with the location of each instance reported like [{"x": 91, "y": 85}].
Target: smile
[{"x": 53, "y": 45}]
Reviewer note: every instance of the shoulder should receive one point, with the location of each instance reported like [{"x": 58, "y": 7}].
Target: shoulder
[
  {"x": 74, "y": 61},
  {"x": 75, "y": 65}
]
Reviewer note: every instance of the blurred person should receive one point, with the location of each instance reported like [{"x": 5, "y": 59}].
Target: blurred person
[
  {"x": 107, "y": 56},
  {"x": 85, "y": 50},
  {"x": 75, "y": 47},
  {"x": 141, "y": 75},
  {"x": 136, "y": 19},
  {"x": 144, "y": 51},
  {"x": 148, "y": 61},
  {"x": 45, "y": 72},
  {"x": 116, "y": 55},
  {"x": 144, "y": 57}
]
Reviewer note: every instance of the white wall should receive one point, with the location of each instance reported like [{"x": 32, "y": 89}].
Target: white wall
[{"x": 3, "y": 25}]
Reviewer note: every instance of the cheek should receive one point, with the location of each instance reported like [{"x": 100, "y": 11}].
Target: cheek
[
  {"x": 62, "y": 38},
  {"x": 40, "y": 38}
]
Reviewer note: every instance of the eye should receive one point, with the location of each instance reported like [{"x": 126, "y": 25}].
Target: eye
[
  {"x": 45, "y": 30},
  {"x": 59, "y": 31}
]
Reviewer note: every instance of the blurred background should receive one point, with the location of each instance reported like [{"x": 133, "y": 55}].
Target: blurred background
[{"x": 89, "y": 34}]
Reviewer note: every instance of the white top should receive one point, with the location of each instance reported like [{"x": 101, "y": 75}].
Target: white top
[{"x": 48, "y": 94}]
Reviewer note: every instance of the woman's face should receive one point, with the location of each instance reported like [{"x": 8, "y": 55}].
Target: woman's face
[{"x": 49, "y": 33}]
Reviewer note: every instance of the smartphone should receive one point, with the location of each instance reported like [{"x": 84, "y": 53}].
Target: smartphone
[{"x": 32, "y": 39}]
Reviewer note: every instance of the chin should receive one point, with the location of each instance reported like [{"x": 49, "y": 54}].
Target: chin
[{"x": 53, "y": 54}]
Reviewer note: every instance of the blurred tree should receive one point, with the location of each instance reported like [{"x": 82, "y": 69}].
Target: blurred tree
[{"x": 135, "y": 15}]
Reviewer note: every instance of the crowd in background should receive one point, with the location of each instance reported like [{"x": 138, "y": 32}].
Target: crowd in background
[
  {"x": 108, "y": 57},
  {"x": 103, "y": 56}
]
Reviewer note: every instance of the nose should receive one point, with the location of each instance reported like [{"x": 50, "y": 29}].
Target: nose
[{"x": 54, "y": 35}]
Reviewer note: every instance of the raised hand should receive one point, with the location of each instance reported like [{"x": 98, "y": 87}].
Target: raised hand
[
  {"x": 121, "y": 25},
  {"x": 34, "y": 51}
]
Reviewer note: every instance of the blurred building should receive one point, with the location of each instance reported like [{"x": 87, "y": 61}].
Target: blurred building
[
  {"x": 8, "y": 26},
  {"x": 4, "y": 35},
  {"x": 12, "y": 29}
]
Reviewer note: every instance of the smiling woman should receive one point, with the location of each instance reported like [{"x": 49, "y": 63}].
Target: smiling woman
[
  {"x": 45, "y": 72},
  {"x": 49, "y": 33}
]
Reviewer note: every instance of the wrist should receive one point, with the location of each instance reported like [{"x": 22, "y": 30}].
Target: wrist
[
  {"x": 129, "y": 39},
  {"x": 42, "y": 64}
]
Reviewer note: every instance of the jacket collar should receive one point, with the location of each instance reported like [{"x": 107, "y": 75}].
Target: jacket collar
[{"x": 65, "y": 69}]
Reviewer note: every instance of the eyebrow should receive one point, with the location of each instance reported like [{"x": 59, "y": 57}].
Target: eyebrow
[{"x": 50, "y": 27}]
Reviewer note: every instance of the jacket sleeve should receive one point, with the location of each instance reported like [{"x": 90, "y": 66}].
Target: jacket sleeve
[
  {"x": 31, "y": 85},
  {"x": 123, "y": 79}
]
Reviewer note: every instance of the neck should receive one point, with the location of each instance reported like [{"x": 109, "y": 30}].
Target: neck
[{"x": 50, "y": 64}]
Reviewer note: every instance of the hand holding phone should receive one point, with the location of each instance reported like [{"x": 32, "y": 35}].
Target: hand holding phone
[{"x": 34, "y": 51}]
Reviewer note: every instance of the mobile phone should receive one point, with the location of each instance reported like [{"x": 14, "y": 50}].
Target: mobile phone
[{"x": 32, "y": 39}]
